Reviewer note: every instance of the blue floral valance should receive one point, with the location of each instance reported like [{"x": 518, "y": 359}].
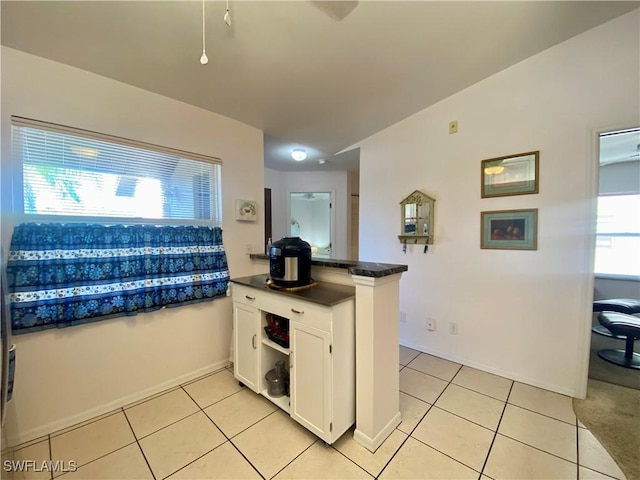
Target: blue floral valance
[{"x": 68, "y": 274}]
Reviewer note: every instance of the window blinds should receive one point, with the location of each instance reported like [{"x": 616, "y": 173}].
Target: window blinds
[{"x": 78, "y": 173}]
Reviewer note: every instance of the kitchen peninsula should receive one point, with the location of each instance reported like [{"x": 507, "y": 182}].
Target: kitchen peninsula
[{"x": 376, "y": 289}]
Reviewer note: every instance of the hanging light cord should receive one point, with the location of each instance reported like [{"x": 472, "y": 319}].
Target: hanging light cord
[
  {"x": 203, "y": 59},
  {"x": 227, "y": 16}
]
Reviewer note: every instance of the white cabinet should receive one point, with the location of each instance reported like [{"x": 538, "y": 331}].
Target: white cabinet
[
  {"x": 246, "y": 321},
  {"x": 311, "y": 377},
  {"x": 321, "y": 356}
]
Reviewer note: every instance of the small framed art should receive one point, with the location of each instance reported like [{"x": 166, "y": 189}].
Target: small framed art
[
  {"x": 509, "y": 229},
  {"x": 246, "y": 210},
  {"x": 510, "y": 175}
]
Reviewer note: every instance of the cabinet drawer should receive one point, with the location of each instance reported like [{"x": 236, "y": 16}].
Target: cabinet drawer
[
  {"x": 298, "y": 310},
  {"x": 285, "y": 306},
  {"x": 245, "y": 295}
]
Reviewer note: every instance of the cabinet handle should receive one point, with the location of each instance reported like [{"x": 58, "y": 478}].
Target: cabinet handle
[
  {"x": 248, "y": 297},
  {"x": 297, "y": 311},
  {"x": 253, "y": 341},
  {"x": 290, "y": 359}
]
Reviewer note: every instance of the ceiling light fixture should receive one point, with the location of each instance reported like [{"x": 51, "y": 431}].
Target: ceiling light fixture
[
  {"x": 322, "y": 161},
  {"x": 494, "y": 170},
  {"x": 203, "y": 58},
  {"x": 298, "y": 154}
]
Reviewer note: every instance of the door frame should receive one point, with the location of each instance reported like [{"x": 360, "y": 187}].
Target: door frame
[
  {"x": 584, "y": 327},
  {"x": 332, "y": 212},
  {"x": 268, "y": 217}
]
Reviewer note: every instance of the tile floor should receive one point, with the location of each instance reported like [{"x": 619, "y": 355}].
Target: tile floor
[{"x": 457, "y": 423}]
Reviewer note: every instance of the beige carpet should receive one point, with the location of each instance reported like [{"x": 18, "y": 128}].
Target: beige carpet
[
  {"x": 612, "y": 414},
  {"x": 600, "y": 369}
]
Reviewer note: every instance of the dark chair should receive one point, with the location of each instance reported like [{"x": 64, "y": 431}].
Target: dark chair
[
  {"x": 621, "y": 325},
  {"x": 628, "y": 306}
]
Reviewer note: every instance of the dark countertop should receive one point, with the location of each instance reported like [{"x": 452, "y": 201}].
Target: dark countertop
[
  {"x": 323, "y": 293},
  {"x": 364, "y": 269}
]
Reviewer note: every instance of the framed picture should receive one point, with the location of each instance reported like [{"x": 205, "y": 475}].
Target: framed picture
[
  {"x": 246, "y": 210},
  {"x": 509, "y": 229},
  {"x": 510, "y": 175}
]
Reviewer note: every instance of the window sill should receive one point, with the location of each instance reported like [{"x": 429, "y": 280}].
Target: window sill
[{"x": 610, "y": 276}]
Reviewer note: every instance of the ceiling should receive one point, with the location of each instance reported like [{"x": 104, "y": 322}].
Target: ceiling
[{"x": 317, "y": 75}]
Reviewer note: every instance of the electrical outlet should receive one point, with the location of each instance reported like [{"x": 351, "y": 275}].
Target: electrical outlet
[
  {"x": 453, "y": 127},
  {"x": 403, "y": 317},
  {"x": 431, "y": 324},
  {"x": 453, "y": 328},
  {"x": 248, "y": 248}
]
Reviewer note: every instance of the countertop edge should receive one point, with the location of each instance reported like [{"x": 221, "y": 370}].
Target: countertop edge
[
  {"x": 364, "y": 269},
  {"x": 325, "y": 294}
]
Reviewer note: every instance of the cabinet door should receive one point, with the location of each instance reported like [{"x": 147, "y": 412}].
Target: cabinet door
[
  {"x": 246, "y": 341},
  {"x": 310, "y": 378}
]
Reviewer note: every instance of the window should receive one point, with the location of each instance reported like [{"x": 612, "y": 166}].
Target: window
[
  {"x": 618, "y": 235},
  {"x": 76, "y": 173},
  {"x": 112, "y": 258}
]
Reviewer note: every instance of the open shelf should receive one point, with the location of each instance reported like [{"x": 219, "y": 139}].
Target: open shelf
[
  {"x": 275, "y": 346},
  {"x": 282, "y": 402}
]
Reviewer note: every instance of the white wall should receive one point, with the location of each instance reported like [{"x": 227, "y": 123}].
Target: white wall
[
  {"x": 606, "y": 288},
  {"x": 283, "y": 183},
  {"x": 67, "y": 375},
  {"x": 521, "y": 314}
]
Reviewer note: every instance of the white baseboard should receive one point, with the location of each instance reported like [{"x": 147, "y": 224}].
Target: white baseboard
[
  {"x": 18, "y": 438},
  {"x": 372, "y": 444},
  {"x": 496, "y": 371}
]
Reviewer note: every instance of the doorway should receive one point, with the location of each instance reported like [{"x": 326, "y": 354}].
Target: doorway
[
  {"x": 268, "y": 217},
  {"x": 311, "y": 219},
  {"x": 617, "y": 246}
]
